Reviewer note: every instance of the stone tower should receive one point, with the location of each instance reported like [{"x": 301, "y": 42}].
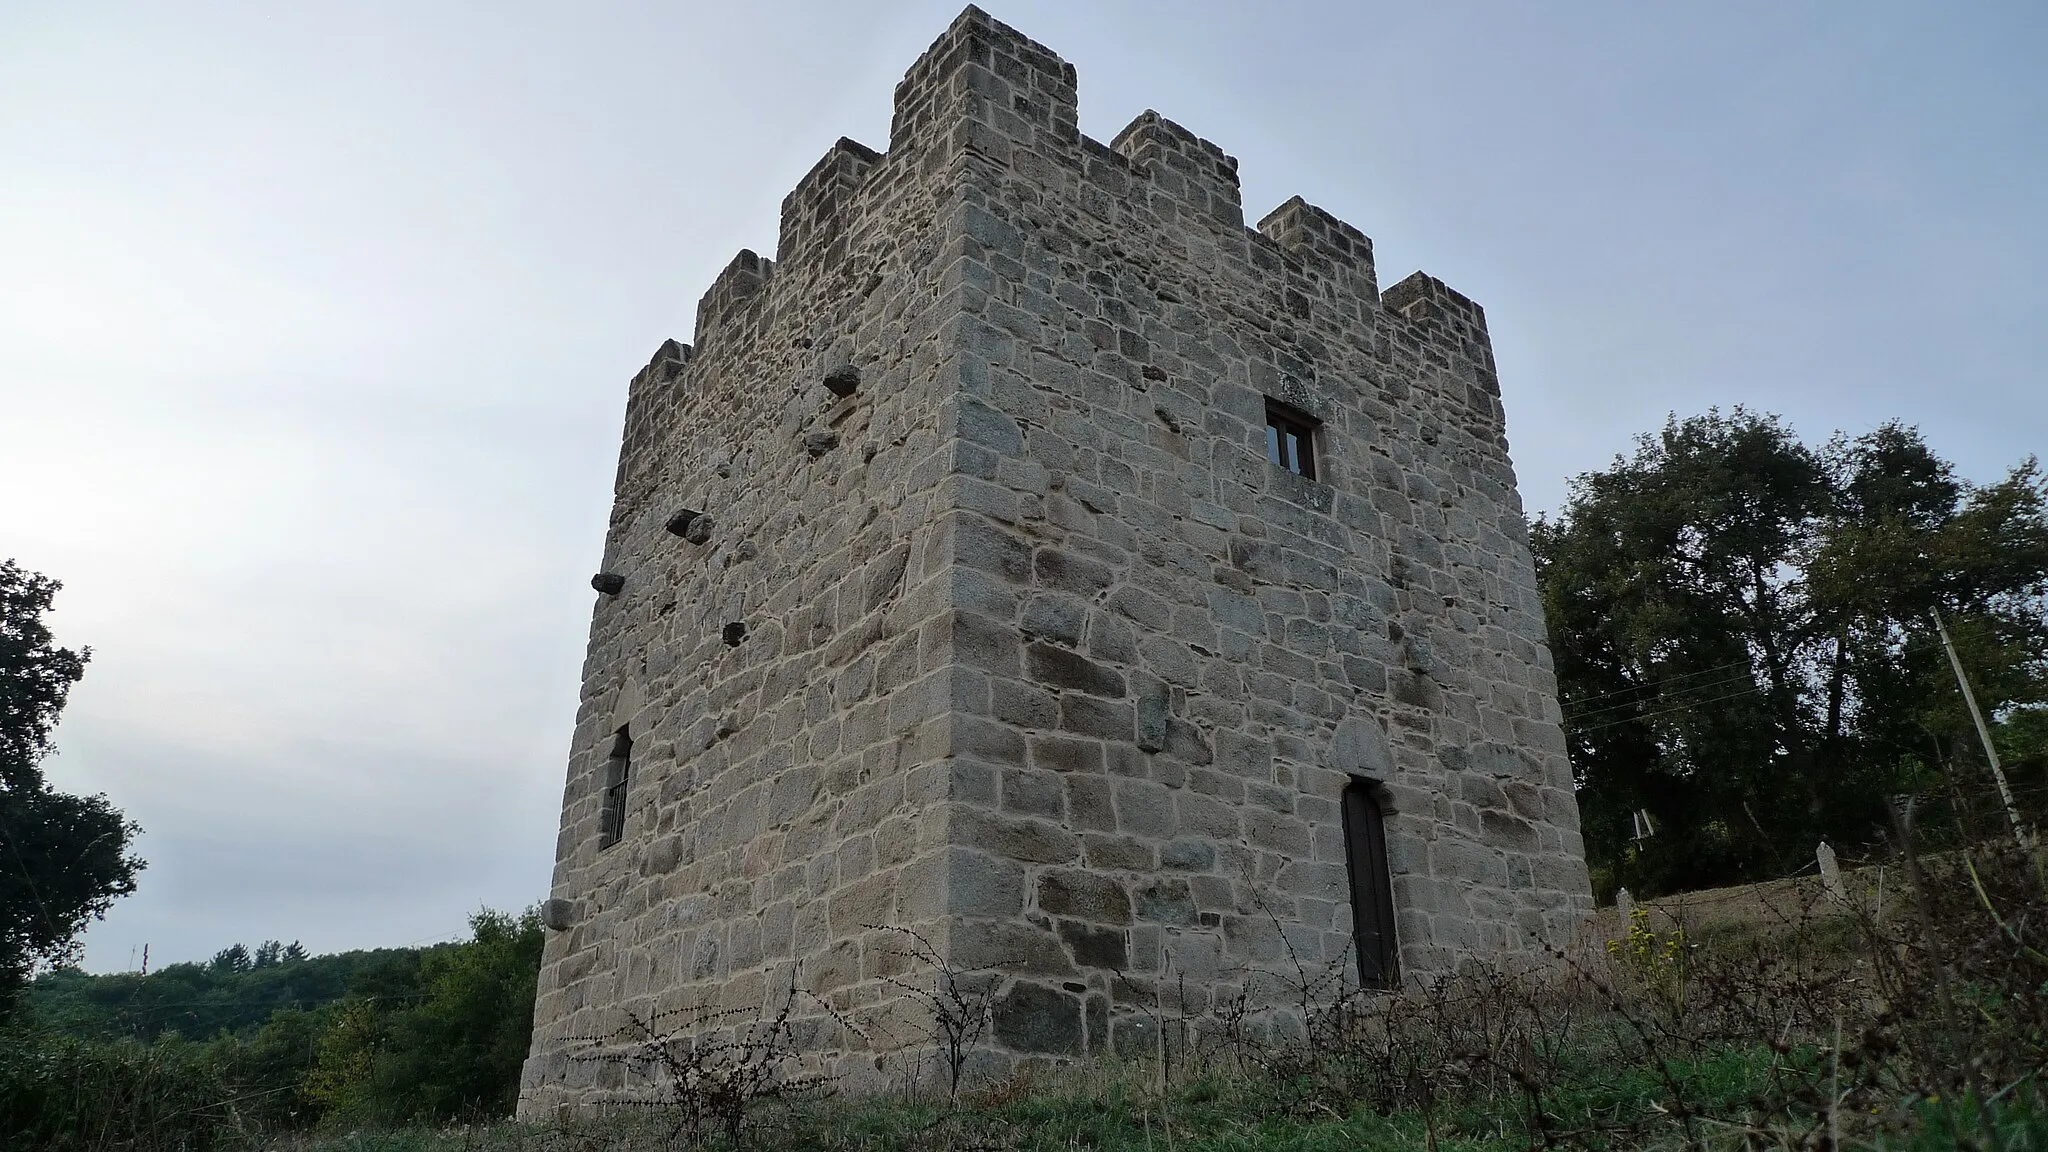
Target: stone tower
[{"x": 1035, "y": 557}]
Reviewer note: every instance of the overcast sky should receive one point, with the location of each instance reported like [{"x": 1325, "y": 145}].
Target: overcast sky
[{"x": 316, "y": 320}]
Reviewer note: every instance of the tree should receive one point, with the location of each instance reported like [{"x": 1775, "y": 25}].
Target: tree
[
  {"x": 459, "y": 1053},
  {"x": 439, "y": 1039},
  {"x": 1742, "y": 627},
  {"x": 63, "y": 858}
]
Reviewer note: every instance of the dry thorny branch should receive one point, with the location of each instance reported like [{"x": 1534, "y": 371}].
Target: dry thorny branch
[
  {"x": 708, "y": 1067},
  {"x": 959, "y": 1001}
]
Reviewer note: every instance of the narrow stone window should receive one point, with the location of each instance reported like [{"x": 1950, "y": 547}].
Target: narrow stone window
[
  {"x": 1372, "y": 888},
  {"x": 1290, "y": 439},
  {"x": 617, "y": 771}
]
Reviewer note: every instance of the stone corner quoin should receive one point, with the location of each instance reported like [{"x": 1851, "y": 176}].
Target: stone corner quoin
[{"x": 956, "y": 605}]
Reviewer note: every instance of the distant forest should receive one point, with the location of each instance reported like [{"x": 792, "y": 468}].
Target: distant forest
[
  {"x": 236, "y": 991},
  {"x": 274, "y": 1040}
]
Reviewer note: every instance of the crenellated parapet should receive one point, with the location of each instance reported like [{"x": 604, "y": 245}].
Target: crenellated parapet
[
  {"x": 1425, "y": 300},
  {"x": 665, "y": 365},
  {"x": 1450, "y": 322},
  {"x": 656, "y": 380},
  {"x": 985, "y": 100}
]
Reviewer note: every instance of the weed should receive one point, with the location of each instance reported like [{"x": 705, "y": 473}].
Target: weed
[
  {"x": 704, "y": 1071},
  {"x": 959, "y": 1002}
]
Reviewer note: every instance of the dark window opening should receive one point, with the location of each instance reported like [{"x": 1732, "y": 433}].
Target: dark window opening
[
  {"x": 1372, "y": 887},
  {"x": 1290, "y": 439},
  {"x": 611, "y": 823}
]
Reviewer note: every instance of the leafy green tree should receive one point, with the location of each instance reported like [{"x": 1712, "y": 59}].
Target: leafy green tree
[
  {"x": 2023, "y": 743},
  {"x": 273, "y": 1065},
  {"x": 340, "y": 1081},
  {"x": 1743, "y": 631},
  {"x": 63, "y": 858},
  {"x": 450, "y": 1046},
  {"x": 462, "y": 1049}
]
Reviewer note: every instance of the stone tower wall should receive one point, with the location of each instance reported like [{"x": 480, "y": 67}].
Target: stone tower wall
[
  {"x": 1192, "y": 650},
  {"x": 1044, "y": 659},
  {"x": 780, "y": 784}
]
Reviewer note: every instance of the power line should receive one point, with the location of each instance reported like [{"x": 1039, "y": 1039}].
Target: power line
[
  {"x": 1744, "y": 675},
  {"x": 1747, "y": 690},
  {"x": 1578, "y": 725},
  {"x": 1746, "y": 664},
  {"x": 1976, "y": 629}
]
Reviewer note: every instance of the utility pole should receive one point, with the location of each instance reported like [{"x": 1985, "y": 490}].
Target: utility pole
[{"x": 2012, "y": 812}]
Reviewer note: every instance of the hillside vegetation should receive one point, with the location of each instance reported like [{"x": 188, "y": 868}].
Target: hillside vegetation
[
  {"x": 235, "y": 991},
  {"x": 1908, "y": 1018},
  {"x": 222, "y": 1054}
]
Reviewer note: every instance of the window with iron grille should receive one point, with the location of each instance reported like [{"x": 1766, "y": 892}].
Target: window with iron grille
[
  {"x": 1290, "y": 439},
  {"x": 1372, "y": 888},
  {"x": 617, "y": 774}
]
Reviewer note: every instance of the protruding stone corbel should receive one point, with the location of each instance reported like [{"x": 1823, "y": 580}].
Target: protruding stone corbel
[
  {"x": 819, "y": 443},
  {"x": 691, "y": 525},
  {"x": 841, "y": 381},
  {"x": 679, "y": 524},
  {"x": 609, "y": 583},
  {"x": 559, "y": 915}
]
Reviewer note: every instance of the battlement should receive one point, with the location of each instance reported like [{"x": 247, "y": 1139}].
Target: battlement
[
  {"x": 665, "y": 365},
  {"x": 1424, "y": 299},
  {"x": 986, "y": 88},
  {"x": 732, "y": 293},
  {"x": 1320, "y": 239},
  {"x": 1448, "y": 320},
  {"x": 1183, "y": 166},
  {"x": 814, "y": 215}
]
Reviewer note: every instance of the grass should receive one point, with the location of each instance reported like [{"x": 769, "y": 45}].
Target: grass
[
  {"x": 1106, "y": 1109},
  {"x": 1114, "y": 1108},
  {"x": 1206, "y": 1116},
  {"x": 1197, "y": 1118}
]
